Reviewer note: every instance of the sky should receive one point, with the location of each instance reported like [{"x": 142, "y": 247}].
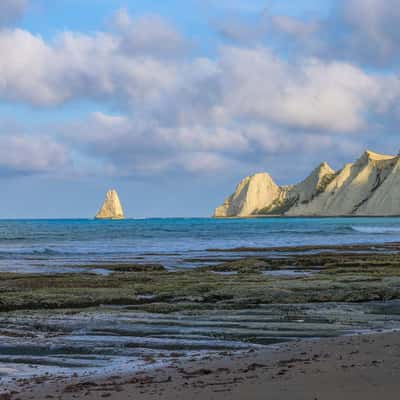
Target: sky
[{"x": 173, "y": 102}]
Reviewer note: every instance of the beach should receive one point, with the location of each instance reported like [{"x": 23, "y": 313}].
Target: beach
[
  {"x": 357, "y": 367},
  {"x": 200, "y": 200},
  {"x": 306, "y": 321}
]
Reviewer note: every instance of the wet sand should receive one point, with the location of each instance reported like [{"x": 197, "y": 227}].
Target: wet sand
[{"x": 359, "y": 367}]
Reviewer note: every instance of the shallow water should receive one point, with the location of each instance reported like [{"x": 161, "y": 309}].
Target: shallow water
[
  {"x": 288, "y": 273},
  {"x": 47, "y": 246},
  {"x": 116, "y": 339},
  {"x": 119, "y": 339}
]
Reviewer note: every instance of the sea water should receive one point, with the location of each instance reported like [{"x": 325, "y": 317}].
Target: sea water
[
  {"x": 48, "y": 246},
  {"x": 109, "y": 340}
]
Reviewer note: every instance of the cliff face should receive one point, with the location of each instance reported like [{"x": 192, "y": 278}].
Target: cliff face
[
  {"x": 251, "y": 195},
  {"x": 370, "y": 186},
  {"x": 111, "y": 208}
]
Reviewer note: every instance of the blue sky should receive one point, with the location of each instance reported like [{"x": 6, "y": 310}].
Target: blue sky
[
  {"x": 173, "y": 102},
  {"x": 48, "y": 17}
]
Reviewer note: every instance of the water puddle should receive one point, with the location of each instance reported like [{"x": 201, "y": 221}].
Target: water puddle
[
  {"x": 288, "y": 273},
  {"x": 227, "y": 273}
]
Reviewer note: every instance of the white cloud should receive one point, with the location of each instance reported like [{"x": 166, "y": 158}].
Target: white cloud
[
  {"x": 366, "y": 32},
  {"x": 30, "y": 155},
  {"x": 252, "y": 83},
  {"x": 78, "y": 66},
  {"x": 373, "y": 28},
  {"x": 149, "y": 34},
  {"x": 194, "y": 114},
  {"x": 314, "y": 95},
  {"x": 186, "y": 93},
  {"x": 145, "y": 147},
  {"x": 293, "y": 26}
]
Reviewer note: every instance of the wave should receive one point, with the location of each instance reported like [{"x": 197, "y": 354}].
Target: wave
[
  {"x": 376, "y": 229},
  {"x": 336, "y": 230},
  {"x": 47, "y": 252},
  {"x": 30, "y": 252},
  {"x": 328, "y": 230},
  {"x": 12, "y": 239}
]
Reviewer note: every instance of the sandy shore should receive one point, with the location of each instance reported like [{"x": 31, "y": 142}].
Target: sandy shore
[{"x": 354, "y": 367}]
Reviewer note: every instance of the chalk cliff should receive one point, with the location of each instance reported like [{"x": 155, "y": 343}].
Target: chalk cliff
[
  {"x": 370, "y": 186},
  {"x": 111, "y": 208},
  {"x": 251, "y": 196}
]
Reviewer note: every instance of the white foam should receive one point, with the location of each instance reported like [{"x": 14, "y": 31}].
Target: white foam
[{"x": 376, "y": 229}]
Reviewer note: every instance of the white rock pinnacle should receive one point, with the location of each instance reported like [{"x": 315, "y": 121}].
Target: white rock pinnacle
[{"x": 111, "y": 208}]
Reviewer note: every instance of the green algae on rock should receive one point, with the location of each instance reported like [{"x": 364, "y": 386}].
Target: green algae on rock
[{"x": 339, "y": 276}]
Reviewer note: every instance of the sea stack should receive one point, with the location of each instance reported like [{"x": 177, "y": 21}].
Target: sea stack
[{"x": 111, "y": 208}]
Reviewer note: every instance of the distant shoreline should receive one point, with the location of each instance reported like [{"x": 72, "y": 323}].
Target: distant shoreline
[
  {"x": 200, "y": 218},
  {"x": 308, "y": 216}
]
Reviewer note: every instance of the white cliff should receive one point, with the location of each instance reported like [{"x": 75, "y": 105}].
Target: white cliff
[
  {"x": 370, "y": 186},
  {"x": 386, "y": 200},
  {"x": 352, "y": 188},
  {"x": 314, "y": 184},
  {"x": 253, "y": 194},
  {"x": 111, "y": 208}
]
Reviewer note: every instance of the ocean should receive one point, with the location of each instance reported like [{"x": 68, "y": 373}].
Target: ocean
[
  {"x": 48, "y": 246},
  {"x": 120, "y": 339}
]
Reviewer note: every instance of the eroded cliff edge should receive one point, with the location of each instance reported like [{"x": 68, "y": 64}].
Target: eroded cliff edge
[{"x": 368, "y": 187}]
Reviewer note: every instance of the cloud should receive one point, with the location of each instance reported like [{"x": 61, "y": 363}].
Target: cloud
[
  {"x": 11, "y": 11},
  {"x": 141, "y": 147},
  {"x": 265, "y": 29},
  {"x": 240, "y": 83},
  {"x": 293, "y": 26},
  {"x": 175, "y": 112},
  {"x": 148, "y": 35},
  {"x": 78, "y": 66},
  {"x": 366, "y": 32},
  {"x": 371, "y": 31},
  {"x": 312, "y": 94},
  {"x": 130, "y": 147},
  {"x": 22, "y": 155}
]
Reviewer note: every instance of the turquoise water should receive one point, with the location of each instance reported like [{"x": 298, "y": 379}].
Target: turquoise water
[{"x": 59, "y": 245}]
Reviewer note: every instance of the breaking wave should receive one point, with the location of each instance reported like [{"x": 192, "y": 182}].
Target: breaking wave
[{"x": 376, "y": 229}]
